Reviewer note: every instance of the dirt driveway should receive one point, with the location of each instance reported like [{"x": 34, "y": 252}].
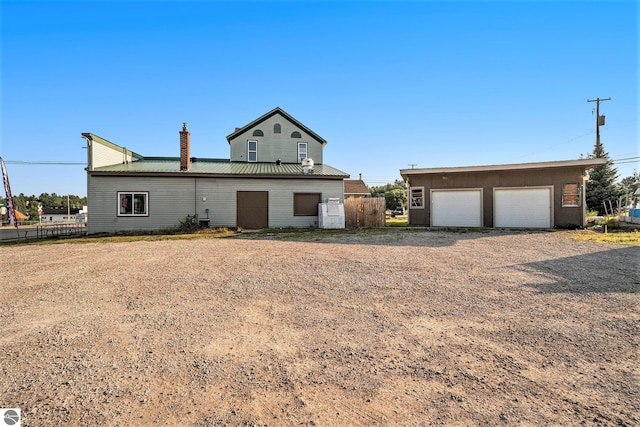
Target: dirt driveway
[{"x": 399, "y": 328}]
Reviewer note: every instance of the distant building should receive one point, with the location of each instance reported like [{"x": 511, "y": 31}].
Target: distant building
[
  {"x": 58, "y": 214},
  {"x": 355, "y": 188}
]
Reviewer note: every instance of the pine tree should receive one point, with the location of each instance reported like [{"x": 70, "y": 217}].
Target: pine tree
[{"x": 601, "y": 186}]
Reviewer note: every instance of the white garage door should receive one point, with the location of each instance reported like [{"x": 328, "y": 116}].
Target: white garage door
[
  {"x": 456, "y": 208},
  {"x": 522, "y": 207}
]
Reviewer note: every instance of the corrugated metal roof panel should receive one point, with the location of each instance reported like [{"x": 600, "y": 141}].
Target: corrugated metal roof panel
[{"x": 219, "y": 167}]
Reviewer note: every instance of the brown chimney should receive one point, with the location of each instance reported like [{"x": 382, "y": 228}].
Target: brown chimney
[{"x": 185, "y": 148}]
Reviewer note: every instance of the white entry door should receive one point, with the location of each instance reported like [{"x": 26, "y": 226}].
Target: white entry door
[
  {"x": 456, "y": 208},
  {"x": 523, "y": 207}
]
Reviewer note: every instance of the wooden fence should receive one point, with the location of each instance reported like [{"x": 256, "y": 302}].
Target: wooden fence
[{"x": 364, "y": 212}]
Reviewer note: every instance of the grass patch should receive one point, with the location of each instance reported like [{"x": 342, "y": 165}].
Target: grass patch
[
  {"x": 396, "y": 222},
  {"x": 619, "y": 237}
]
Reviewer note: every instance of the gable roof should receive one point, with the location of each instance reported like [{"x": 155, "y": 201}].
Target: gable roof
[
  {"x": 355, "y": 186},
  {"x": 270, "y": 114}
]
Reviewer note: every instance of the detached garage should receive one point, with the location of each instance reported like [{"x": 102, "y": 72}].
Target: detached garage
[{"x": 524, "y": 195}]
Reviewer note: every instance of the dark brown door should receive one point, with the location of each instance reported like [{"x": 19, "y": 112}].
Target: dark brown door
[{"x": 252, "y": 209}]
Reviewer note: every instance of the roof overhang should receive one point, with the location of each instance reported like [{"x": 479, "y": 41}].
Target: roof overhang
[
  {"x": 214, "y": 175},
  {"x": 582, "y": 163}
]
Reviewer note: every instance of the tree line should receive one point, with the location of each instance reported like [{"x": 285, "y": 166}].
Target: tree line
[{"x": 28, "y": 205}]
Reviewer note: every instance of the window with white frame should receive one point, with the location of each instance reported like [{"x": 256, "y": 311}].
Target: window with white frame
[
  {"x": 302, "y": 151},
  {"x": 252, "y": 151},
  {"x": 133, "y": 204},
  {"x": 571, "y": 195},
  {"x": 417, "y": 197}
]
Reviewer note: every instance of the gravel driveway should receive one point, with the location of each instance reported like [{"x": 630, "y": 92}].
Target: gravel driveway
[{"x": 393, "y": 328}]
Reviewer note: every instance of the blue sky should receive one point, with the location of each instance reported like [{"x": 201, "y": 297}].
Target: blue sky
[{"x": 387, "y": 84}]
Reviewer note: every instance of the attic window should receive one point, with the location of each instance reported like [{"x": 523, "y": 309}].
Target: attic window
[
  {"x": 258, "y": 132},
  {"x": 296, "y": 134},
  {"x": 277, "y": 128}
]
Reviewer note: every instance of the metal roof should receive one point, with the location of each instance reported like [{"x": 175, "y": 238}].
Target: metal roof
[
  {"x": 218, "y": 167},
  {"x": 586, "y": 163}
]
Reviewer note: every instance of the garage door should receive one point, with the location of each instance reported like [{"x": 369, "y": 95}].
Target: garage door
[
  {"x": 456, "y": 208},
  {"x": 522, "y": 207},
  {"x": 253, "y": 209}
]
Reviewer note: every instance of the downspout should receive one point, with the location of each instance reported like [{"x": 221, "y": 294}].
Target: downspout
[{"x": 89, "y": 168}]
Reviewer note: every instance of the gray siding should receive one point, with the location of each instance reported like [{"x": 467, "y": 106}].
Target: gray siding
[
  {"x": 171, "y": 199},
  {"x": 274, "y": 146}
]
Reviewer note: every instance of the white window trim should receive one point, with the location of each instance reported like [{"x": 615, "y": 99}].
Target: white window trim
[
  {"x": 133, "y": 194},
  {"x": 410, "y": 198},
  {"x": 306, "y": 151},
  {"x": 251, "y": 151}
]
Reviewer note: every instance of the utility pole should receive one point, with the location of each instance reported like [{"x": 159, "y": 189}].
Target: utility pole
[{"x": 599, "y": 122}]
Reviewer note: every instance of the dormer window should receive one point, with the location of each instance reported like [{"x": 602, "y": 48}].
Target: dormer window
[
  {"x": 296, "y": 134},
  {"x": 277, "y": 128},
  {"x": 258, "y": 132}
]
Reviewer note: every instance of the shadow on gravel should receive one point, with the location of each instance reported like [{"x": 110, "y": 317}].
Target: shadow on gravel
[
  {"x": 415, "y": 237},
  {"x": 615, "y": 270}
]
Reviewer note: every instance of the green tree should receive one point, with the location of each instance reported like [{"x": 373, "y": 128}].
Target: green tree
[
  {"x": 601, "y": 186},
  {"x": 394, "y": 193}
]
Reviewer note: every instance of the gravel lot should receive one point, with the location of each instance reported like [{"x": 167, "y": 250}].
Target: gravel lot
[{"x": 393, "y": 328}]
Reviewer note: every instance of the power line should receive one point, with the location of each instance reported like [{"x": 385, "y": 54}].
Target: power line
[
  {"x": 555, "y": 145},
  {"x": 53, "y": 162}
]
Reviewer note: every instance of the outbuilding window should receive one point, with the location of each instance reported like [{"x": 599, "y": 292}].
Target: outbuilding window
[
  {"x": 417, "y": 197},
  {"x": 133, "y": 204},
  {"x": 571, "y": 195},
  {"x": 306, "y": 204}
]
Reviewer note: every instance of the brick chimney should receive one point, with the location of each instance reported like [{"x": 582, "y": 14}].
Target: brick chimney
[{"x": 185, "y": 148}]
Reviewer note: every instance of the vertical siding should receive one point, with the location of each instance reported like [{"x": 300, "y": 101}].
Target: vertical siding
[
  {"x": 273, "y": 146},
  {"x": 171, "y": 199}
]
